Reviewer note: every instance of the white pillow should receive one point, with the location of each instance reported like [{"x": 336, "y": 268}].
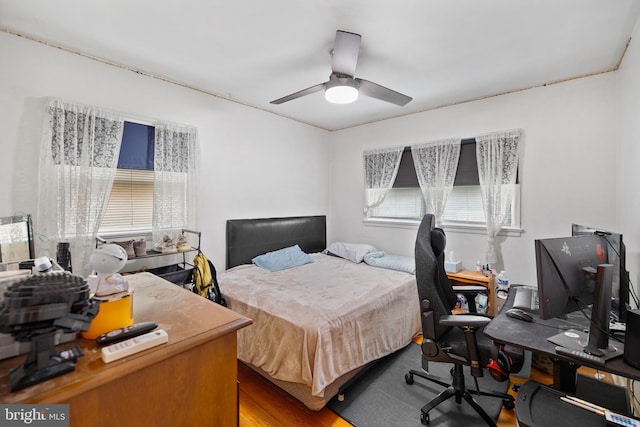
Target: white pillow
[{"x": 352, "y": 251}]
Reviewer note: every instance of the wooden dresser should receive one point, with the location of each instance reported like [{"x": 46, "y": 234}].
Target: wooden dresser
[{"x": 190, "y": 381}]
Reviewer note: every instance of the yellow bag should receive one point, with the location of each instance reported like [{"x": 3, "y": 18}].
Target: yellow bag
[
  {"x": 205, "y": 282},
  {"x": 201, "y": 274}
]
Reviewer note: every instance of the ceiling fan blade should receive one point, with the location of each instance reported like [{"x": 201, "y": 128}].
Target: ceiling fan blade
[
  {"x": 382, "y": 93},
  {"x": 299, "y": 94},
  {"x": 345, "y": 53}
]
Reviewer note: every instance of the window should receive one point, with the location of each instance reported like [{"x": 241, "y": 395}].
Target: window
[
  {"x": 130, "y": 206},
  {"x": 464, "y": 205}
]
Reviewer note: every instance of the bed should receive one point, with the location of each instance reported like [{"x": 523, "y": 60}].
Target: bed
[{"x": 315, "y": 326}]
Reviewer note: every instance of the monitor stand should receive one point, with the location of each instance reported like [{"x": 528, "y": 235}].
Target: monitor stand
[
  {"x": 574, "y": 339},
  {"x": 601, "y": 311},
  {"x": 596, "y": 342}
]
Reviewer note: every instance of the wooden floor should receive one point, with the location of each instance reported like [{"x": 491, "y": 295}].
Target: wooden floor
[{"x": 264, "y": 404}]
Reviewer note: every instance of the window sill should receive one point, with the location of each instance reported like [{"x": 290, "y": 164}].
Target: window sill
[{"x": 409, "y": 223}]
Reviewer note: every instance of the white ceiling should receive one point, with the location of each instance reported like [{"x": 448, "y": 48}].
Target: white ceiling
[{"x": 440, "y": 52}]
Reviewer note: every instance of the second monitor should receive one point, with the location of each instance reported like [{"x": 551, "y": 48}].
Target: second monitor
[
  {"x": 560, "y": 264},
  {"x": 573, "y": 273}
]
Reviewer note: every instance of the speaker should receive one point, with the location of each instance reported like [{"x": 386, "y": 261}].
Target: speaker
[{"x": 632, "y": 339}]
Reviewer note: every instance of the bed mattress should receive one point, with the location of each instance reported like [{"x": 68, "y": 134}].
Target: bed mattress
[{"x": 314, "y": 323}]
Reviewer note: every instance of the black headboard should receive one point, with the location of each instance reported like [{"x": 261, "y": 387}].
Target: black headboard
[{"x": 248, "y": 238}]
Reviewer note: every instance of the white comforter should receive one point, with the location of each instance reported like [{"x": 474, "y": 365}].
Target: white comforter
[{"x": 316, "y": 322}]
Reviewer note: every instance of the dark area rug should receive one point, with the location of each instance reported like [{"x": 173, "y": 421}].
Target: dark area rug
[{"x": 382, "y": 398}]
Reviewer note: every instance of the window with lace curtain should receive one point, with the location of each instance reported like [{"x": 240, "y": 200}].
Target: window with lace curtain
[
  {"x": 404, "y": 201},
  {"x": 130, "y": 206}
]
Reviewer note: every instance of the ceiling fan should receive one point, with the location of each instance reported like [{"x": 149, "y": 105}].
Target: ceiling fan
[{"x": 342, "y": 86}]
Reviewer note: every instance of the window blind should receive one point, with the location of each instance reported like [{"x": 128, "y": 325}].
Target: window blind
[
  {"x": 131, "y": 201},
  {"x": 464, "y": 205},
  {"x": 401, "y": 203}
]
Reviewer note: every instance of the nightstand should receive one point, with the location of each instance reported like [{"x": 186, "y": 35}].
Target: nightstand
[{"x": 468, "y": 277}]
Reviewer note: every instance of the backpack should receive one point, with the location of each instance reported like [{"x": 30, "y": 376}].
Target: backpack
[{"x": 205, "y": 282}]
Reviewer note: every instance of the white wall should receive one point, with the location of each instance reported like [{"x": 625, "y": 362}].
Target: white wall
[
  {"x": 628, "y": 194},
  {"x": 567, "y": 168},
  {"x": 253, "y": 164},
  {"x": 257, "y": 164}
]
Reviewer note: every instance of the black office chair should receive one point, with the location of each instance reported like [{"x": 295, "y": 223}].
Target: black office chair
[{"x": 456, "y": 339}]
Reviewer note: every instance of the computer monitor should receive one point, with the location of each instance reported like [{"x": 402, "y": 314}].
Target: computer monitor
[
  {"x": 563, "y": 285},
  {"x": 573, "y": 273},
  {"x": 617, "y": 256}
]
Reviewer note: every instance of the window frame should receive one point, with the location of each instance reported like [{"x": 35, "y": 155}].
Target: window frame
[{"x": 513, "y": 229}]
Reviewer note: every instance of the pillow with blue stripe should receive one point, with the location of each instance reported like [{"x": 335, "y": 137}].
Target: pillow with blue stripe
[{"x": 392, "y": 262}]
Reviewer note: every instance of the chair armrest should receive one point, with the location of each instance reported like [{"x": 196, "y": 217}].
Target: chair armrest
[
  {"x": 469, "y": 323},
  {"x": 462, "y": 320}
]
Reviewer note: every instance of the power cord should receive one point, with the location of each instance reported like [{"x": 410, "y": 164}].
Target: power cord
[{"x": 592, "y": 323}]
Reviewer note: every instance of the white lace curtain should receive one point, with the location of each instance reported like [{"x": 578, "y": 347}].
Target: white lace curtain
[
  {"x": 436, "y": 164},
  {"x": 174, "y": 191},
  {"x": 78, "y": 162},
  {"x": 497, "y": 155},
  {"x": 380, "y": 170}
]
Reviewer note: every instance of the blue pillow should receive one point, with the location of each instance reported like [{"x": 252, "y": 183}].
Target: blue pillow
[{"x": 282, "y": 259}]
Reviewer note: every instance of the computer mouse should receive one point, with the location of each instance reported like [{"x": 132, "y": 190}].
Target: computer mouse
[{"x": 516, "y": 313}]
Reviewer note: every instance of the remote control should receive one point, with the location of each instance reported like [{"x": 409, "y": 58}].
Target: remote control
[
  {"x": 126, "y": 332},
  {"x": 134, "y": 345},
  {"x": 620, "y": 420},
  {"x": 581, "y": 355}
]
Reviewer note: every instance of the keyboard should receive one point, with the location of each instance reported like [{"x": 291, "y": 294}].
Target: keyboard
[{"x": 527, "y": 299}]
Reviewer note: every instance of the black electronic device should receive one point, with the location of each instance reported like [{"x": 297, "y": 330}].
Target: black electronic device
[
  {"x": 616, "y": 255},
  {"x": 581, "y": 355},
  {"x": 127, "y": 332},
  {"x": 632, "y": 339},
  {"x": 563, "y": 286},
  {"x": 608, "y": 395},
  {"x": 573, "y": 272},
  {"x": 517, "y": 313},
  {"x": 33, "y": 309},
  {"x": 601, "y": 310}
]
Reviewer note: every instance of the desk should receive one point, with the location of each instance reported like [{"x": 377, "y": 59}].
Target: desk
[
  {"x": 191, "y": 380},
  {"x": 533, "y": 337}
]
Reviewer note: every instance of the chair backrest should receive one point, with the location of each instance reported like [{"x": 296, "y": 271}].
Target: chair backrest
[
  {"x": 438, "y": 244},
  {"x": 431, "y": 279}
]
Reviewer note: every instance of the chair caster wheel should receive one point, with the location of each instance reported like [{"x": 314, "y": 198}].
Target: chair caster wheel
[
  {"x": 409, "y": 378},
  {"x": 508, "y": 404},
  {"x": 424, "y": 418}
]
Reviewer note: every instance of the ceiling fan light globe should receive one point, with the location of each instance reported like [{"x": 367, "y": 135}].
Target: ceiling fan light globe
[{"x": 341, "y": 94}]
